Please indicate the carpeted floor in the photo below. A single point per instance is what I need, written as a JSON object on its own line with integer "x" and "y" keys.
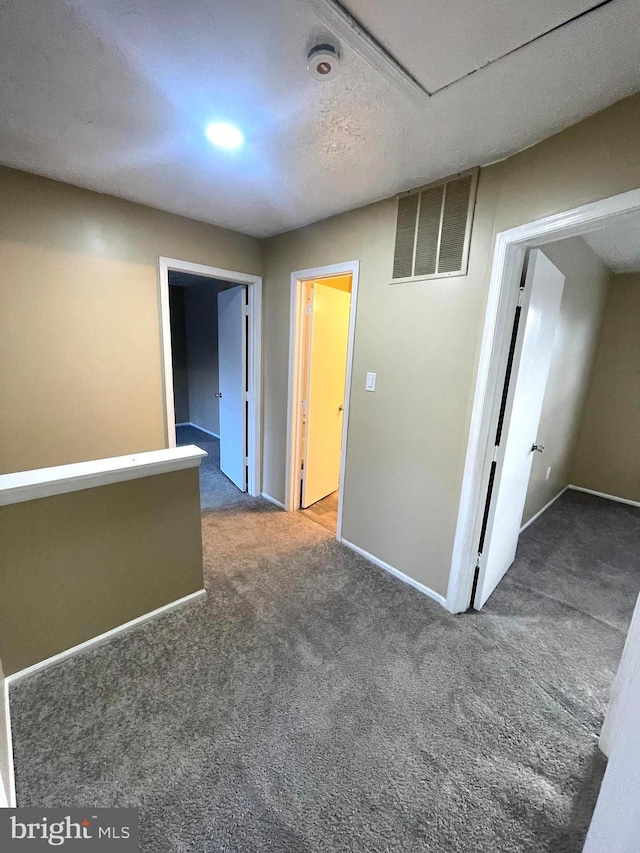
{"x": 313, "y": 704}
{"x": 216, "y": 491}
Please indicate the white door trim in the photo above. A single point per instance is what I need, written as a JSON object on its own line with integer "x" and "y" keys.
{"x": 254, "y": 360}
{"x": 296, "y": 330}
{"x": 508, "y": 259}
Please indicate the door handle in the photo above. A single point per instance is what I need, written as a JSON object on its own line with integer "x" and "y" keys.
{"x": 538, "y": 447}
{"x": 219, "y": 394}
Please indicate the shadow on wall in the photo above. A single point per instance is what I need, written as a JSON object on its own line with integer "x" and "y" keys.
{"x": 608, "y": 451}
{"x": 194, "y": 344}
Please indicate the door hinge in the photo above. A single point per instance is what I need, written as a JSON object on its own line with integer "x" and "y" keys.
{"x": 246, "y": 310}
{"x": 246, "y": 396}
{"x": 246, "y": 460}
{"x": 495, "y": 452}
{"x": 520, "y": 296}
{"x": 307, "y": 309}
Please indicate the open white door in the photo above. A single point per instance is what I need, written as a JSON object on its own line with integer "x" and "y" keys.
{"x": 616, "y": 820}
{"x": 232, "y": 367}
{"x": 327, "y": 378}
{"x": 514, "y": 456}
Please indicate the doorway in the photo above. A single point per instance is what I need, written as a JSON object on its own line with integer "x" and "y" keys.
{"x": 519, "y": 330}
{"x": 323, "y": 304}
{"x": 211, "y": 321}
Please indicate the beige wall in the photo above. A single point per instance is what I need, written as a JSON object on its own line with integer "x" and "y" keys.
{"x": 80, "y": 356}
{"x": 574, "y": 348}
{"x": 80, "y": 346}
{"x": 405, "y": 450}
{"x": 608, "y": 453}
{"x": 76, "y": 565}
{"x": 407, "y": 442}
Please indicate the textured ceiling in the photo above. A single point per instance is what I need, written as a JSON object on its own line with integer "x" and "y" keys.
{"x": 439, "y": 49}
{"x": 617, "y": 242}
{"x": 115, "y": 96}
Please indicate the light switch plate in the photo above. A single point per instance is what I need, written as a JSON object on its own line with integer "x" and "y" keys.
{"x": 370, "y": 384}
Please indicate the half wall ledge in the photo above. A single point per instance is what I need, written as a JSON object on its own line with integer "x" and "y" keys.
{"x": 45, "y": 482}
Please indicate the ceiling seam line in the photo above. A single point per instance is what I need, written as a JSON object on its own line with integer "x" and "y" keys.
{"x": 559, "y": 26}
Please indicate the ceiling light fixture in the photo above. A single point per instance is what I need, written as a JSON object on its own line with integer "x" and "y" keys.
{"x": 224, "y": 135}
{"x": 323, "y": 61}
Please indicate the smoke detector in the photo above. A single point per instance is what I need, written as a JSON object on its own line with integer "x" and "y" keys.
{"x": 323, "y": 61}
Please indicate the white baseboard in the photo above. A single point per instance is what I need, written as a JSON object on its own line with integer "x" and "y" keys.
{"x": 425, "y": 590}
{"x": 544, "y": 508}
{"x": 75, "y": 650}
{"x": 101, "y": 638}
{"x": 197, "y": 426}
{"x": 604, "y": 495}
{"x": 272, "y": 500}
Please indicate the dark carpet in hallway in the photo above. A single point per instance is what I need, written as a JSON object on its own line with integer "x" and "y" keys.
{"x": 216, "y": 490}
{"x": 313, "y": 704}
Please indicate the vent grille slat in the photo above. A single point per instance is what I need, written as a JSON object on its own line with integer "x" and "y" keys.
{"x": 428, "y": 230}
{"x": 405, "y": 236}
{"x": 433, "y": 229}
{"x": 454, "y": 225}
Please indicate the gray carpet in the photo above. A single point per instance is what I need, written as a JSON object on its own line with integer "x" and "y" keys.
{"x": 313, "y": 704}
{"x": 216, "y": 490}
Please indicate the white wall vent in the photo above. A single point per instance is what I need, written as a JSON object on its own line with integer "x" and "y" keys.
{"x": 433, "y": 229}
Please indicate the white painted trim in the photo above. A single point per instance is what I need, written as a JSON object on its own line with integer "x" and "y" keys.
{"x": 605, "y": 495}
{"x": 296, "y": 329}
{"x": 425, "y": 590}
{"x": 273, "y": 500}
{"x": 509, "y": 253}
{"x": 101, "y": 638}
{"x": 209, "y": 272}
{"x": 9, "y": 795}
{"x": 75, "y": 650}
{"x": 544, "y": 509}
{"x": 254, "y": 361}
{"x": 254, "y": 367}
{"x": 45, "y": 482}
{"x": 295, "y": 394}
{"x": 197, "y": 426}
{"x": 614, "y": 720}
{"x": 355, "y": 275}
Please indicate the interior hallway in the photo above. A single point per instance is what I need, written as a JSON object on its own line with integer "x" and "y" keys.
{"x": 312, "y": 703}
